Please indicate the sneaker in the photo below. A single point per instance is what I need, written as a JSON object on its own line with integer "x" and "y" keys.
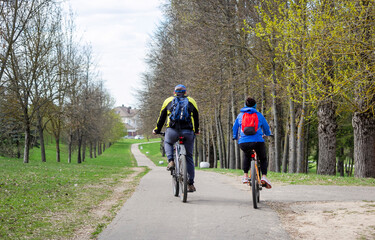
{"x": 191, "y": 188}
{"x": 171, "y": 165}
{"x": 266, "y": 182}
{"x": 245, "y": 180}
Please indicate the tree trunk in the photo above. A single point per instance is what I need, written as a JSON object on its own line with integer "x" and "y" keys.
{"x": 26, "y": 153}
{"x": 364, "y": 145}
{"x": 327, "y": 138}
{"x": 200, "y": 147}
{"x": 79, "y": 159}
{"x": 237, "y": 157}
{"x": 99, "y": 148}
{"x": 228, "y": 164}
{"x": 57, "y": 140}
{"x": 80, "y": 138}
{"x": 232, "y": 163}
{"x": 271, "y": 151}
{"x": 90, "y": 149}
{"x": 94, "y": 144}
{"x": 213, "y": 145}
{"x": 83, "y": 150}
{"x": 70, "y": 144}
{"x": 218, "y": 137}
{"x": 306, "y": 147}
{"x": 276, "y": 131}
{"x": 204, "y": 149}
{"x": 41, "y": 138}
{"x": 301, "y": 141}
{"x": 286, "y": 147}
{"x": 292, "y": 138}
{"x": 364, "y": 122}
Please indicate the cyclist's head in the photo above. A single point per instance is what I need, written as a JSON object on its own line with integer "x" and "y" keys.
{"x": 180, "y": 90}
{"x": 250, "y": 102}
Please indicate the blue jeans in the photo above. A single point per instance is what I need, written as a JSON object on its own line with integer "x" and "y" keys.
{"x": 171, "y": 136}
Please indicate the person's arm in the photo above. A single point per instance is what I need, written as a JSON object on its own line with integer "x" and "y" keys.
{"x": 195, "y": 114}
{"x": 235, "y": 128}
{"x": 265, "y": 126}
{"x": 162, "y": 116}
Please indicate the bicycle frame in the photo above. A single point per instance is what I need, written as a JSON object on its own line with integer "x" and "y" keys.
{"x": 254, "y": 158}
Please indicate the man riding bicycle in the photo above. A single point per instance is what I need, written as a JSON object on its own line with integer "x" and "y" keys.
{"x": 250, "y": 126}
{"x": 186, "y": 127}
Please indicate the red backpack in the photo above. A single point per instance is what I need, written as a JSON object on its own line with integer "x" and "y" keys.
{"x": 250, "y": 123}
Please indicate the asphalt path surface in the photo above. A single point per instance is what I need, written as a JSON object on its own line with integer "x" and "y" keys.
{"x": 221, "y": 208}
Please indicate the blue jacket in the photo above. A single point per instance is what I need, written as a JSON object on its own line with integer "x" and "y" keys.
{"x": 263, "y": 127}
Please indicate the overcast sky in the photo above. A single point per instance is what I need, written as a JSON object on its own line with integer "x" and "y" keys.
{"x": 119, "y": 31}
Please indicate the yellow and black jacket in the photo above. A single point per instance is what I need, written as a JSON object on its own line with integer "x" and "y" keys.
{"x": 166, "y": 111}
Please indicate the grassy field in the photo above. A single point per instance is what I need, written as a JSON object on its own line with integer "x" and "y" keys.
{"x": 152, "y": 150}
{"x": 53, "y": 200}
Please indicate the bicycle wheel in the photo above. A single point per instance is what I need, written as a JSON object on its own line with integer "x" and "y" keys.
{"x": 183, "y": 178}
{"x": 175, "y": 184}
{"x": 259, "y": 184}
{"x": 254, "y": 184}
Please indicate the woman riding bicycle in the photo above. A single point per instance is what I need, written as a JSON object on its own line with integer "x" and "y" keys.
{"x": 249, "y": 127}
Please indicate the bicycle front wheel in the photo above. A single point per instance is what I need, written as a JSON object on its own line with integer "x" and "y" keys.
{"x": 183, "y": 178}
{"x": 254, "y": 185}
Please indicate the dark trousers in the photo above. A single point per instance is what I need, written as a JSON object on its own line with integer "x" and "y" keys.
{"x": 171, "y": 136}
{"x": 260, "y": 149}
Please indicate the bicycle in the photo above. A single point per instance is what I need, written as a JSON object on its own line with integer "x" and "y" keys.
{"x": 179, "y": 173}
{"x": 254, "y": 179}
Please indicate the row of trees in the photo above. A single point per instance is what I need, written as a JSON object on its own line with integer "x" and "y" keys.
{"x": 309, "y": 64}
{"x": 48, "y": 82}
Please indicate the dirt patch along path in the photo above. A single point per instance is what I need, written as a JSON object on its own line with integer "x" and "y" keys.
{"x": 104, "y": 211}
{"x": 329, "y": 220}
{"x": 325, "y": 212}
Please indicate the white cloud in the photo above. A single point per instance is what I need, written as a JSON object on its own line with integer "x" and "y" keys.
{"x": 118, "y": 32}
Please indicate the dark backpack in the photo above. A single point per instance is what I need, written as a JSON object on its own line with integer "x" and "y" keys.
{"x": 179, "y": 112}
{"x": 249, "y": 123}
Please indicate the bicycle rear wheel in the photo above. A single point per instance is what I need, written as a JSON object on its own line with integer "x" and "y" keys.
{"x": 175, "y": 184}
{"x": 254, "y": 185}
{"x": 183, "y": 178}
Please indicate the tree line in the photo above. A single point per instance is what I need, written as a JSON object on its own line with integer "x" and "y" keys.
{"x": 49, "y": 84}
{"x": 308, "y": 63}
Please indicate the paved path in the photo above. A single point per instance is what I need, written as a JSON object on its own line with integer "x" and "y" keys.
{"x": 221, "y": 208}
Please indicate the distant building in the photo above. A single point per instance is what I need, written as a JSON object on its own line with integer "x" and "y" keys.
{"x": 130, "y": 117}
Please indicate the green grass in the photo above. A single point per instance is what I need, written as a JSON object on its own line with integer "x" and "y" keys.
{"x": 308, "y": 179}
{"x": 51, "y": 200}
{"x": 312, "y": 178}
{"x": 152, "y": 151}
